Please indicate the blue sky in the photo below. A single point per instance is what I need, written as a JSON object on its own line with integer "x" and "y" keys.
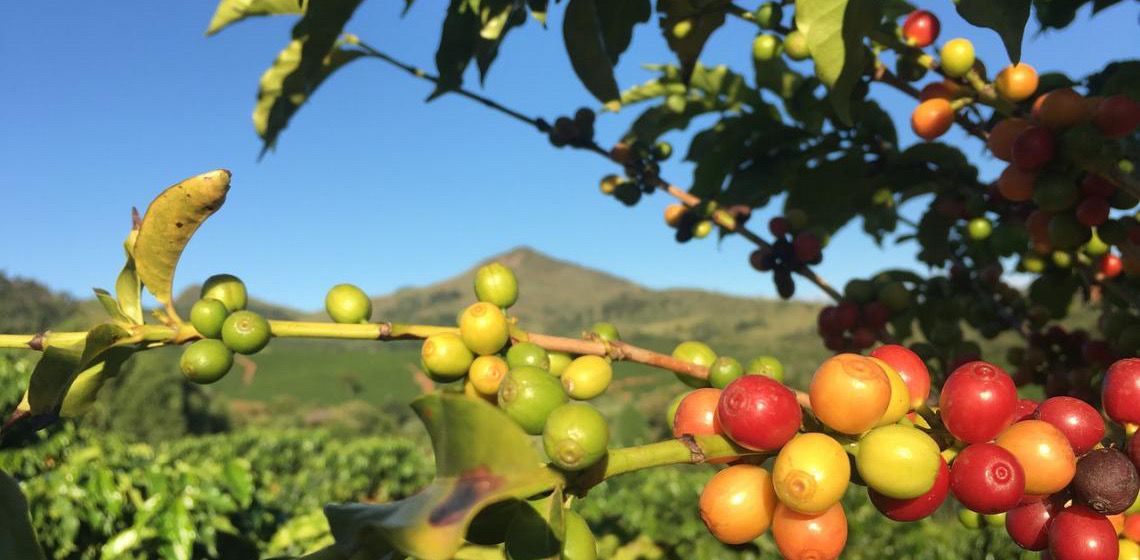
{"x": 105, "y": 104}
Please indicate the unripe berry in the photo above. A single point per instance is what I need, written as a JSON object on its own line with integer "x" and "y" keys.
{"x": 575, "y": 436}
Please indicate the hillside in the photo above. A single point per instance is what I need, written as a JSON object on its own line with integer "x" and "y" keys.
{"x": 557, "y": 297}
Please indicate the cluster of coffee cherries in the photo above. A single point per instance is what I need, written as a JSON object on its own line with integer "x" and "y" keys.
{"x": 698, "y": 221}
{"x": 795, "y": 246}
{"x": 576, "y": 131}
{"x": 858, "y": 320}
{"x": 226, "y": 327}
{"x": 1046, "y": 470}
{"x": 1052, "y": 468}
{"x": 642, "y": 166}
{"x": 1065, "y": 362}
{"x": 857, "y": 404}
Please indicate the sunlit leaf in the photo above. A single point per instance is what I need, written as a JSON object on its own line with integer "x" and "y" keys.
{"x": 288, "y": 84}
{"x": 170, "y": 221}
{"x": 482, "y": 457}
{"x": 17, "y": 537}
{"x": 128, "y": 287}
{"x": 110, "y": 305}
{"x": 1007, "y": 18}
{"x": 835, "y": 30}
{"x": 67, "y": 378}
{"x": 538, "y": 9}
{"x": 229, "y": 12}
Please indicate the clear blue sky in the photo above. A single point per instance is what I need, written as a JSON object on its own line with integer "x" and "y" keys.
{"x": 105, "y": 104}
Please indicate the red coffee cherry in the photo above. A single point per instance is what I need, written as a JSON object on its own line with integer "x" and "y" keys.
{"x": 987, "y": 478}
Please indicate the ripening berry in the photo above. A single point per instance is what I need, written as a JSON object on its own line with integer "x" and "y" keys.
{"x": 814, "y": 537}
{"x": 1043, "y": 452}
{"x": 346, "y": 303}
{"x": 932, "y": 118}
{"x": 587, "y": 377}
{"x": 484, "y": 328}
{"x": 445, "y": 356}
{"x": 849, "y": 393}
{"x": 811, "y": 473}
{"x": 898, "y": 461}
{"x": 957, "y": 57}
{"x": 737, "y": 503}
{"x": 1016, "y": 82}
{"x": 1000, "y": 140}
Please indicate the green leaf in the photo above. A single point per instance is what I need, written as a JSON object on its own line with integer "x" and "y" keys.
{"x": 1121, "y": 77}
{"x": 17, "y": 537}
{"x": 299, "y": 69}
{"x": 482, "y": 457}
{"x": 585, "y": 44}
{"x": 229, "y": 12}
{"x": 128, "y": 286}
{"x": 835, "y": 30}
{"x": 617, "y": 21}
{"x": 69, "y": 377}
{"x": 498, "y": 18}
{"x": 110, "y": 305}
{"x": 170, "y": 221}
{"x": 832, "y": 192}
{"x": 687, "y": 25}
{"x": 1007, "y": 18}
{"x": 457, "y": 43}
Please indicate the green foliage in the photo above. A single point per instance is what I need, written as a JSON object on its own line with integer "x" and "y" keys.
{"x": 1007, "y": 18}
{"x": 596, "y": 32}
{"x": 222, "y": 496}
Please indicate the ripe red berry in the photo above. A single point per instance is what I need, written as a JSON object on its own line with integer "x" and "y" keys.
{"x": 1092, "y": 211}
{"x": 977, "y": 402}
{"x": 827, "y": 321}
{"x": 1111, "y": 265}
{"x": 1095, "y": 185}
{"x": 910, "y": 367}
{"x": 1080, "y": 422}
{"x": 806, "y": 247}
{"x": 1117, "y": 116}
{"x": 1079, "y": 533}
{"x": 1028, "y": 524}
{"x": 921, "y": 28}
{"x": 1024, "y": 409}
{"x": 846, "y": 315}
{"x": 914, "y": 509}
{"x": 1033, "y": 148}
{"x": 987, "y": 478}
{"x": 875, "y": 315}
{"x": 778, "y": 226}
{"x": 863, "y": 338}
{"x": 1121, "y": 391}
{"x": 758, "y": 412}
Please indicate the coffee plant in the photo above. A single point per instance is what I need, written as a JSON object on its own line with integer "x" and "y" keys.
{"x": 518, "y": 446}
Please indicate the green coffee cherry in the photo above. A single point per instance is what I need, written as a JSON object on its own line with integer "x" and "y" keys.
{"x": 765, "y": 365}
{"x": 969, "y": 519}
{"x": 484, "y": 328}
{"x": 496, "y": 284}
{"x": 575, "y": 436}
{"x": 579, "y": 543}
{"x": 606, "y": 331}
{"x": 206, "y": 361}
{"x": 995, "y": 519}
{"x": 795, "y": 45}
{"x": 446, "y": 356}
{"x": 587, "y": 377}
{"x": 558, "y": 362}
{"x": 528, "y": 395}
{"x": 766, "y": 47}
{"x": 694, "y": 352}
{"x": 346, "y": 303}
{"x": 671, "y": 412}
{"x": 528, "y": 354}
{"x": 226, "y": 288}
{"x": 245, "y": 332}
{"x": 207, "y": 316}
{"x": 723, "y": 371}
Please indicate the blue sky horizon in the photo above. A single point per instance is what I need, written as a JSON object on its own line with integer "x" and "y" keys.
{"x": 370, "y": 184}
